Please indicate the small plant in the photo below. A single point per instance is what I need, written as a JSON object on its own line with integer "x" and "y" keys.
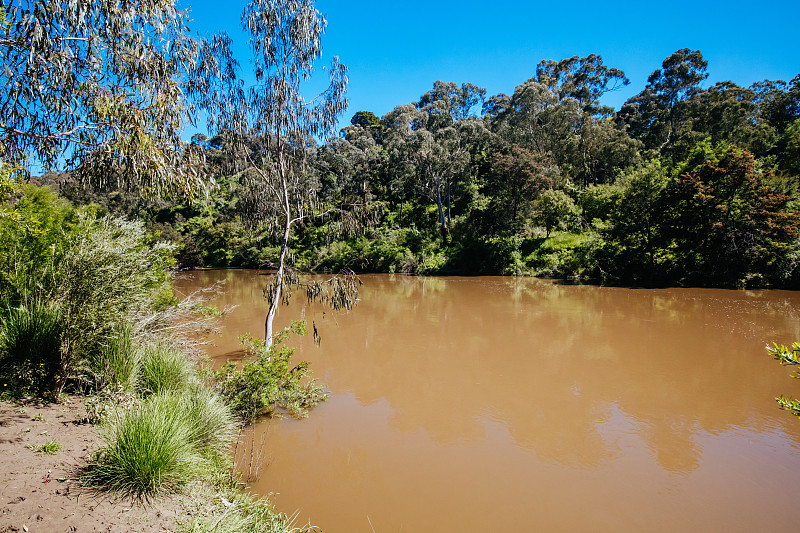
{"x": 50, "y": 447}
{"x": 38, "y": 417}
{"x": 787, "y": 356}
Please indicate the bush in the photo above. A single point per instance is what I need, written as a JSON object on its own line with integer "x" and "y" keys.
{"x": 100, "y": 272}
{"x": 148, "y": 451}
{"x": 30, "y": 348}
{"x": 268, "y": 381}
{"x": 117, "y": 365}
{"x": 109, "y": 274}
{"x": 163, "y": 368}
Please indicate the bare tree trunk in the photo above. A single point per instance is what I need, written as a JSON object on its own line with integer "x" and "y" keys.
{"x": 278, "y": 287}
{"x": 440, "y": 207}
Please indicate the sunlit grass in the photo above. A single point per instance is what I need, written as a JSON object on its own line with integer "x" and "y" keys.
{"x": 171, "y": 439}
{"x": 50, "y": 447}
{"x": 163, "y": 368}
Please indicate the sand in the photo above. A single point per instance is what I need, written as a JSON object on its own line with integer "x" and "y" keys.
{"x": 39, "y": 492}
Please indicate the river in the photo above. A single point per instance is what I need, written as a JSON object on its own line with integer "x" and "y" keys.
{"x": 502, "y": 404}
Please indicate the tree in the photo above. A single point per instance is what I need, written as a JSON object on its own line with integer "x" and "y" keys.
{"x": 517, "y": 177}
{"x": 535, "y": 118}
{"x": 637, "y": 221}
{"x": 727, "y": 112}
{"x": 723, "y": 222}
{"x": 554, "y": 208}
{"x": 657, "y": 114}
{"x": 105, "y": 86}
{"x": 285, "y": 38}
{"x": 429, "y": 141}
{"x": 585, "y": 79}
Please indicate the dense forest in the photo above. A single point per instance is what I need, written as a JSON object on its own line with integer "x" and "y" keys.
{"x": 683, "y": 185}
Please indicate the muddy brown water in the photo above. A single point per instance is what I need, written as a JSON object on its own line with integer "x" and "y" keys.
{"x": 501, "y": 404}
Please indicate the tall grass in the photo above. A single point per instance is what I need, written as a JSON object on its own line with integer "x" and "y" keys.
{"x": 171, "y": 439}
{"x": 117, "y": 365}
{"x": 30, "y": 347}
{"x": 164, "y": 368}
{"x": 213, "y": 425}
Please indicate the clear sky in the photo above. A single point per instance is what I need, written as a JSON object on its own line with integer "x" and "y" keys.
{"x": 396, "y": 50}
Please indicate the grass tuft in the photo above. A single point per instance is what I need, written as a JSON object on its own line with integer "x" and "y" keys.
{"x": 164, "y": 368}
{"x": 148, "y": 451}
{"x": 164, "y": 444}
{"x": 118, "y": 363}
{"x": 30, "y": 347}
{"x": 50, "y": 447}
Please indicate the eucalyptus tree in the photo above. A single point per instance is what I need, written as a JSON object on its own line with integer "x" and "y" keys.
{"x": 728, "y": 112}
{"x": 657, "y": 115}
{"x": 586, "y": 79}
{"x": 285, "y": 40}
{"x": 429, "y": 142}
{"x": 102, "y": 86}
{"x": 536, "y": 118}
{"x": 516, "y": 179}
{"x": 350, "y": 170}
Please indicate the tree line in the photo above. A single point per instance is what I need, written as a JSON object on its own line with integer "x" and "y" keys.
{"x": 682, "y": 185}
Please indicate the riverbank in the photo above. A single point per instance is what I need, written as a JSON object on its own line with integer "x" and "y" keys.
{"x": 39, "y": 492}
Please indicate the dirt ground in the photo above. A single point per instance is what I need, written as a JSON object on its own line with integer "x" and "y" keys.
{"x": 39, "y": 492}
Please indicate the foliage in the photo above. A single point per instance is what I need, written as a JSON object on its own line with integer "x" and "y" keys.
{"x": 638, "y": 221}
{"x": 30, "y": 347}
{"x": 51, "y": 447}
{"x": 444, "y": 185}
{"x": 725, "y": 222}
{"x": 107, "y": 85}
{"x": 658, "y": 114}
{"x": 554, "y": 209}
{"x": 267, "y": 380}
{"x": 787, "y": 356}
{"x": 59, "y": 256}
{"x": 163, "y": 368}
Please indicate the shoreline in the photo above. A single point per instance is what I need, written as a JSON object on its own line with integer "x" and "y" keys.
{"x": 29, "y": 501}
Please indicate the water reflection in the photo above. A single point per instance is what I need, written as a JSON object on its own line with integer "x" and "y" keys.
{"x": 486, "y": 394}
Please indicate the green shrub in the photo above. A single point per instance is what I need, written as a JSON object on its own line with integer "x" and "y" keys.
{"x": 117, "y": 365}
{"x": 163, "y": 368}
{"x": 101, "y": 273}
{"x": 267, "y": 381}
{"x": 213, "y": 423}
{"x": 148, "y": 451}
{"x": 567, "y": 255}
{"x": 108, "y": 275}
{"x": 30, "y": 347}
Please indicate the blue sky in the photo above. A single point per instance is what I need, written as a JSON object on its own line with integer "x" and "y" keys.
{"x": 396, "y": 50}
